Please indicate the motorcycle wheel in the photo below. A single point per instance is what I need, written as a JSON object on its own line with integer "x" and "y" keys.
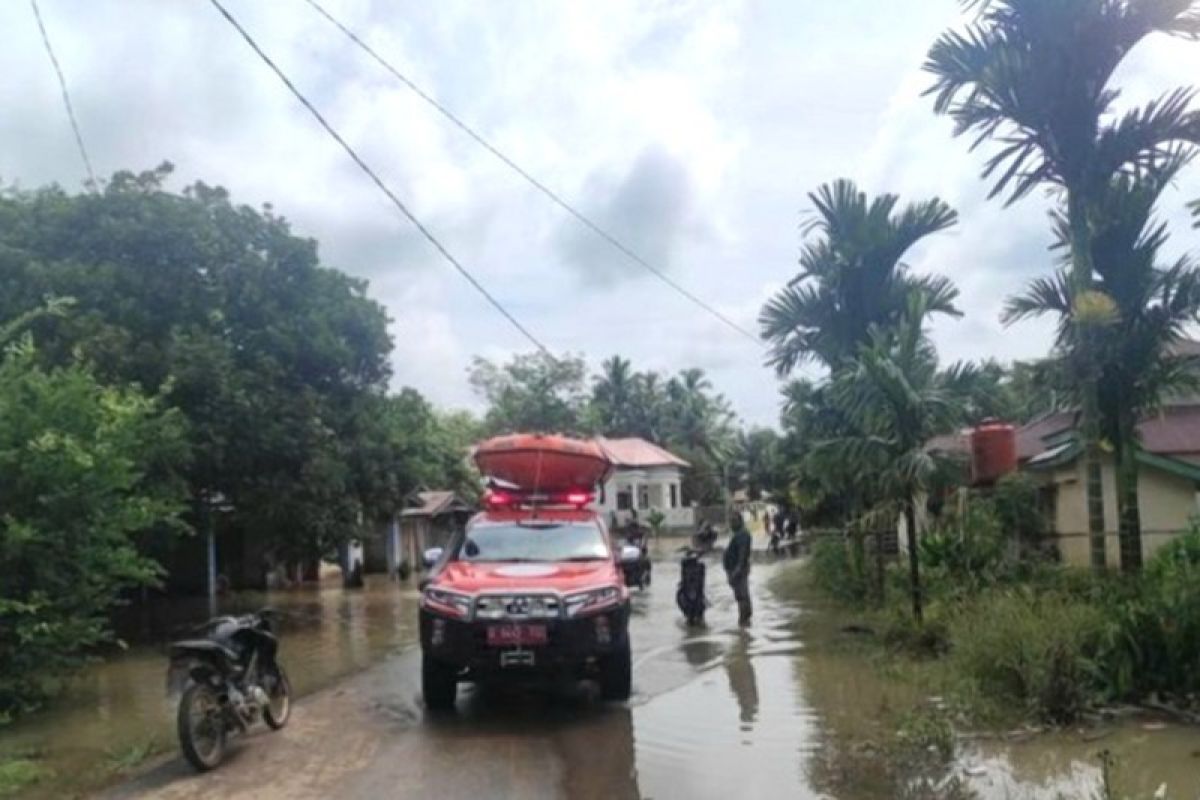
{"x": 201, "y": 727}
{"x": 279, "y": 709}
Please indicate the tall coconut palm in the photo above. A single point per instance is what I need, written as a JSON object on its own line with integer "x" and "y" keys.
{"x": 612, "y": 406}
{"x": 896, "y": 400}
{"x": 851, "y": 276}
{"x": 1034, "y": 76}
{"x": 1138, "y": 361}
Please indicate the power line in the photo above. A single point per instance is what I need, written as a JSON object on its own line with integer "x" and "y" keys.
{"x": 62, "y": 85}
{"x": 379, "y": 181}
{"x": 550, "y": 193}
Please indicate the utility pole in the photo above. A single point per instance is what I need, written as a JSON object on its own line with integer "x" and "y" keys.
{"x": 212, "y": 558}
{"x": 725, "y": 493}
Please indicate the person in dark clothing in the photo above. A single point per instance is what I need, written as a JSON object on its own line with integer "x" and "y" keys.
{"x": 737, "y": 567}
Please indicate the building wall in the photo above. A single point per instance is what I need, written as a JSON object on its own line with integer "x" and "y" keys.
{"x": 650, "y": 489}
{"x": 1167, "y": 504}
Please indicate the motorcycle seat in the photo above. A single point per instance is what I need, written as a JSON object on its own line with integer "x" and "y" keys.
{"x": 207, "y": 646}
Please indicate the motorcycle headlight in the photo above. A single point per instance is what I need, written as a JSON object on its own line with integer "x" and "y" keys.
{"x": 445, "y": 602}
{"x": 591, "y": 601}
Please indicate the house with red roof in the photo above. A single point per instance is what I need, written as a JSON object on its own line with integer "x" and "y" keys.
{"x": 1168, "y": 480}
{"x": 644, "y": 477}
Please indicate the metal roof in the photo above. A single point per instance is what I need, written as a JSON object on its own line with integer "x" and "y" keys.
{"x": 636, "y": 452}
{"x": 434, "y": 504}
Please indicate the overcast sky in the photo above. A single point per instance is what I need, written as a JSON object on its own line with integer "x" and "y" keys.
{"x": 694, "y": 130}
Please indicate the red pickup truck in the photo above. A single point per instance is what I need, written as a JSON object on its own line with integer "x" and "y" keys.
{"x": 531, "y": 589}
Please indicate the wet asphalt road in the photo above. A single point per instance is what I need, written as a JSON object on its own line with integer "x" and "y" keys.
{"x": 696, "y": 704}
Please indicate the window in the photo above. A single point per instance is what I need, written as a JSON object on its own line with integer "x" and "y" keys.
{"x": 674, "y": 496}
{"x": 643, "y": 497}
{"x": 535, "y": 541}
{"x": 624, "y": 499}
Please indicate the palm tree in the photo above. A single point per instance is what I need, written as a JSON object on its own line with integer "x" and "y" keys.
{"x": 1034, "y": 75}
{"x": 612, "y": 405}
{"x": 1138, "y": 361}
{"x": 852, "y": 277}
{"x": 896, "y": 400}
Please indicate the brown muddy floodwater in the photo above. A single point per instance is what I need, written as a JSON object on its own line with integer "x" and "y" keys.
{"x": 785, "y": 707}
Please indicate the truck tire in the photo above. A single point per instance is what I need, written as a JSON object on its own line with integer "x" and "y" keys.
{"x": 439, "y": 684}
{"x": 616, "y": 671}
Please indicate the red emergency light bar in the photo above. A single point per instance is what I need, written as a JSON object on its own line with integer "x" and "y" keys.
{"x": 498, "y": 499}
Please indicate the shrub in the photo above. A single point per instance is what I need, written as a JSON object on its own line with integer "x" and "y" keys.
{"x": 1155, "y": 641}
{"x": 83, "y": 470}
{"x": 964, "y": 554}
{"x": 833, "y": 571}
{"x": 1036, "y": 651}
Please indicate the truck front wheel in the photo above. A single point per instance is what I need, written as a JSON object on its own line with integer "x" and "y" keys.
{"x": 616, "y": 670}
{"x": 439, "y": 684}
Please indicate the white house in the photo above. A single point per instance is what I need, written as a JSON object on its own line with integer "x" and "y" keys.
{"x": 644, "y": 477}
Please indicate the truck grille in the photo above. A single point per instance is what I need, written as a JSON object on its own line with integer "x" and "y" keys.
{"x": 517, "y": 606}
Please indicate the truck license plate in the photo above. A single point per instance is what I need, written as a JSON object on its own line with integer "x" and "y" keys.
{"x": 516, "y": 635}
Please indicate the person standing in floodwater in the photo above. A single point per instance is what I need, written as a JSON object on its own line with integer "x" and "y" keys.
{"x": 737, "y": 567}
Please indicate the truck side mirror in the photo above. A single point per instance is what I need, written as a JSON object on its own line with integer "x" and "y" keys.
{"x": 431, "y": 556}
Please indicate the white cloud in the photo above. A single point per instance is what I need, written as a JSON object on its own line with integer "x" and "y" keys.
{"x": 744, "y": 108}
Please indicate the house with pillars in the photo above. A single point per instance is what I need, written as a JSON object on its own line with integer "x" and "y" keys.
{"x": 644, "y": 477}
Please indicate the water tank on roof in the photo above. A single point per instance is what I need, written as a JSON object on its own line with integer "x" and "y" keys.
{"x": 993, "y": 451}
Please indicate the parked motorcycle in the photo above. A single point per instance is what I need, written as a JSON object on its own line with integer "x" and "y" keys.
{"x": 231, "y": 678}
{"x": 637, "y": 572}
{"x": 689, "y": 595}
{"x": 705, "y": 538}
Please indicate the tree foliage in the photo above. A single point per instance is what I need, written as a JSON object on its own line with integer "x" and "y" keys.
{"x": 84, "y": 471}
{"x": 278, "y": 364}
{"x": 532, "y": 392}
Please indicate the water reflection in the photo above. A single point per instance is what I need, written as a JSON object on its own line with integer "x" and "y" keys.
{"x": 739, "y": 667}
{"x": 120, "y": 704}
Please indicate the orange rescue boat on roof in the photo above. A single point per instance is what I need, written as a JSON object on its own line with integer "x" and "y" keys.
{"x": 543, "y": 462}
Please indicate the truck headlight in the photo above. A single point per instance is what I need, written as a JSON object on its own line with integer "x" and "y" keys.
{"x": 591, "y": 601}
{"x": 451, "y": 604}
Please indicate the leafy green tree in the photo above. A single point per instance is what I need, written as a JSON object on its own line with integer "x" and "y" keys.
{"x": 229, "y": 316}
{"x": 896, "y": 400}
{"x": 1138, "y": 358}
{"x": 1035, "y": 77}
{"x": 532, "y": 392}
{"x": 84, "y": 471}
{"x": 852, "y": 278}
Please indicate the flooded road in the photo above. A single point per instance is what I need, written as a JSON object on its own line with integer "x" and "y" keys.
{"x": 782, "y": 707}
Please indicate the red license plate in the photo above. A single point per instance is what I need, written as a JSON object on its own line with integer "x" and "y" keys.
{"x": 516, "y": 635}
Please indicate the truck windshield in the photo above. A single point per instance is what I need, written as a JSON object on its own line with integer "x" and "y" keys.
{"x": 535, "y": 541}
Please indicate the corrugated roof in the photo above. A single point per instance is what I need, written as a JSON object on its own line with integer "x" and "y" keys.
{"x": 637, "y": 452}
{"x": 1175, "y": 431}
{"x": 1031, "y": 437}
{"x": 433, "y": 504}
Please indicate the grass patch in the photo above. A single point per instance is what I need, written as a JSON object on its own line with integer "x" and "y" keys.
{"x": 17, "y": 774}
{"x": 122, "y": 760}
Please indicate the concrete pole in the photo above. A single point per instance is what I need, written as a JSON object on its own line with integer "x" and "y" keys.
{"x": 212, "y": 563}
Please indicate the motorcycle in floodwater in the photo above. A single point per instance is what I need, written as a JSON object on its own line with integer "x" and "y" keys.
{"x": 689, "y": 595}
{"x": 231, "y": 679}
{"x": 637, "y": 572}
